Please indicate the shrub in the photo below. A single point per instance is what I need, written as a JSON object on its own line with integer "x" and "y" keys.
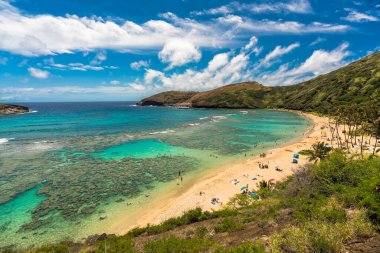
{"x": 229, "y": 225}
{"x": 62, "y": 247}
{"x": 321, "y": 236}
{"x": 116, "y": 244}
{"x": 178, "y": 245}
{"x": 246, "y": 247}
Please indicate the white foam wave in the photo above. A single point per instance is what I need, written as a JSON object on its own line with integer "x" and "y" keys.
{"x": 34, "y": 111}
{"x": 203, "y": 118}
{"x": 194, "y": 124}
{"x": 219, "y": 117}
{"x": 5, "y": 140}
{"x": 163, "y": 132}
{"x": 244, "y": 112}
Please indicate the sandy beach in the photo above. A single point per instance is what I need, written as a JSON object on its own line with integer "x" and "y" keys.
{"x": 217, "y": 183}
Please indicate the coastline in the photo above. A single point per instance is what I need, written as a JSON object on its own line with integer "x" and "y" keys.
{"x": 216, "y": 183}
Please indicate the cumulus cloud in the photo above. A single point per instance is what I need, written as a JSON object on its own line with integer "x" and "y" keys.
{"x": 137, "y": 65}
{"x": 320, "y": 62}
{"x": 276, "y": 53}
{"x": 179, "y": 52}
{"x": 355, "y": 16}
{"x": 38, "y": 73}
{"x": 34, "y": 35}
{"x": 223, "y": 68}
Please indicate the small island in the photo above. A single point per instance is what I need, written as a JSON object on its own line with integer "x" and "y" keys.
{"x": 6, "y": 109}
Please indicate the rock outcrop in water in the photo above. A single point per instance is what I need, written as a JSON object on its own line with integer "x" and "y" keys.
{"x": 6, "y": 109}
{"x": 358, "y": 82}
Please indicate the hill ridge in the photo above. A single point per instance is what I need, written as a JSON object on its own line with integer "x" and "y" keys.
{"x": 357, "y": 82}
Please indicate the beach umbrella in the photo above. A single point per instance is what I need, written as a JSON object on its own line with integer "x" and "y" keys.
{"x": 243, "y": 188}
{"x": 272, "y": 180}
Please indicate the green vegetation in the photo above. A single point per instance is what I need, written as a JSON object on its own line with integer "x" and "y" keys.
{"x": 319, "y": 151}
{"x": 357, "y": 83}
{"x": 325, "y": 207}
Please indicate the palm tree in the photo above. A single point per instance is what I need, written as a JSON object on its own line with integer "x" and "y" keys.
{"x": 265, "y": 185}
{"x": 320, "y": 151}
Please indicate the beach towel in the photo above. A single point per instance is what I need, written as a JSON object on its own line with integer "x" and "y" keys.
{"x": 254, "y": 196}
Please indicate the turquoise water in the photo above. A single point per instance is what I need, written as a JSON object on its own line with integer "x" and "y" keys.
{"x": 147, "y": 148}
{"x": 67, "y": 165}
{"x": 15, "y": 213}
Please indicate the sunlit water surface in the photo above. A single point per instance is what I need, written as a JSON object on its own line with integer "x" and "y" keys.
{"x": 69, "y": 170}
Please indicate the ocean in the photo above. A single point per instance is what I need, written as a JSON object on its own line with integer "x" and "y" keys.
{"x": 69, "y": 170}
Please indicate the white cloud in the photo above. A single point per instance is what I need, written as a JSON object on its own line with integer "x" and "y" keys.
{"x": 179, "y": 52}
{"x": 293, "y": 6}
{"x": 289, "y": 27}
{"x": 70, "y": 92}
{"x": 225, "y": 9}
{"x": 99, "y": 58}
{"x": 276, "y": 53}
{"x": 115, "y": 82}
{"x": 251, "y": 46}
{"x": 77, "y": 66}
{"x": 355, "y": 16}
{"x": 137, "y": 87}
{"x": 320, "y": 62}
{"x": 34, "y": 35}
{"x": 152, "y": 75}
{"x": 317, "y": 41}
{"x": 38, "y": 73}
{"x": 137, "y": 65}
{"x": 223, "y": 68}
{"x": 252, "y": 42}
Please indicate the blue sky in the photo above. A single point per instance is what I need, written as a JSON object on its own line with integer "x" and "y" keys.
{"x": 84, "y": 50}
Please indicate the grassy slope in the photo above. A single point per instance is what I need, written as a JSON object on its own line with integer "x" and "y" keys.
{"x": 357, "y": 82}
{"x": 327, "y": 207}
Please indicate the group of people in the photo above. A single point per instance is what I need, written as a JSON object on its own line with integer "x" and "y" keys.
{"x": 263, "y": 166}
{"x": 245, "y": 191}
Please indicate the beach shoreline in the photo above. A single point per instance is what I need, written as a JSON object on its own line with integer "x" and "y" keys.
{"x": 216, "y": 183}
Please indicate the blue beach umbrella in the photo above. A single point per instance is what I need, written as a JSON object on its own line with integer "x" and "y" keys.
{"x": 243, "y": 188}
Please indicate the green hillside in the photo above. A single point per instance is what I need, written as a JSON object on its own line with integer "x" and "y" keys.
{"x": 358, "y": 82}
